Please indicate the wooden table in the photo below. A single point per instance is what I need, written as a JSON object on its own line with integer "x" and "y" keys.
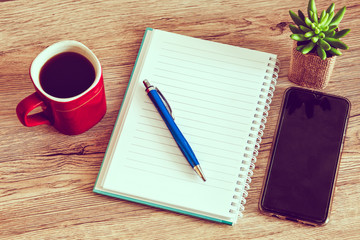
{"x": 46, "y": 178}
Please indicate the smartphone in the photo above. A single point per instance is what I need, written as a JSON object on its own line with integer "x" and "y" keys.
{"x": 304, "y": 160}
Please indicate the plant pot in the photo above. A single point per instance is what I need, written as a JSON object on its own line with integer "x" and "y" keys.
{"x": 310, "y": 70}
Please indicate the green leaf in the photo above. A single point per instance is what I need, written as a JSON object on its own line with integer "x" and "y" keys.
{"x": 330, "y": 33}
{"x": 323, "y": 13}
{"x": 307, "y": 22}
{"x": 330, "y": 18}
{"x": 301, "y": 15}
{"x": 294, "y": 29}
{"x": 308, "y": 47}
{"x": 342, "y": 33}
{"x": 335, "y": 51}
{"x": 336, "y": 43}
{"x": 298, "y": 37}
{"x": 332, "y": 28}
{"x": 315, "y": 39}
{"x": 322, "y": 23}
{"x": 296, "y": 18}
{"x": 312, "y": 7}
{"x": 325, "y": 28}
{"x": 324, "y": 45}
{"x": 313, "y": 26}
{"x": 321, "y": 52}
{"x": 313, "y": 17}
{"x": 338, "y": 17}
{"x": 309, "y": 34}
{"x": 300, "y": 47}
{"x": 305, "y": 29}
{"x": 331, "y": 8}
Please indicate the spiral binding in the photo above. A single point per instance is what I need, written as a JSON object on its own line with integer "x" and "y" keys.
{"x": 253, "y": 143}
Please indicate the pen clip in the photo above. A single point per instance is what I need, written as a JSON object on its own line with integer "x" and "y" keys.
{"x": 167, "y": 105}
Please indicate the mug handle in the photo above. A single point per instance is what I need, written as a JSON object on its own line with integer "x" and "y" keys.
{"x": 26, "y": 106}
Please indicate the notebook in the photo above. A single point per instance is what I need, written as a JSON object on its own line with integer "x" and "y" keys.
{"x": 220, "y": 96}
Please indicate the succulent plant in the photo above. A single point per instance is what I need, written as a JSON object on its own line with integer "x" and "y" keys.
{"x": 319, "y": 34}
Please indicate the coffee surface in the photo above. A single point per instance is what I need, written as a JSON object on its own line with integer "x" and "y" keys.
{"x": 66, "y": 75}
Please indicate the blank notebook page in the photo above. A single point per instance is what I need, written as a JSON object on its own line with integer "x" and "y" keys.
{"x": 213, "y": 90}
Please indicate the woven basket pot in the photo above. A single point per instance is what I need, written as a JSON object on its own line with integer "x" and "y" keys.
{"x": 310, "y": 70}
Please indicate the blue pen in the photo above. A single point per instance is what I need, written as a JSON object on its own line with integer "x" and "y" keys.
{"x": 156, "y": 97}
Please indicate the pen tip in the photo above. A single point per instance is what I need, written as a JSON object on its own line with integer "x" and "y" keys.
{"x": 199, "y": 171}
{"x": 203, "y": 178}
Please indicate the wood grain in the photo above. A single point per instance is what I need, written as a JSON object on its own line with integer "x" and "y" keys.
{"x": 46, "y": 178}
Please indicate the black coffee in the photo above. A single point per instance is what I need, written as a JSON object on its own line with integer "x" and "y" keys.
{"x": 66, "y": 75}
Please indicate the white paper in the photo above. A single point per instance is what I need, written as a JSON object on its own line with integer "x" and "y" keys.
{"x": 214, "y": 91}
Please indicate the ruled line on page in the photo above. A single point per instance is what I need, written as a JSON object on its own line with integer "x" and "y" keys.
{"x": 196, "y": 83}
{"x": 210, "y": 65}
{"x": 225, "y": 120}
{"x": 209, "y": 72}
{"x": 183, "y": 164}
{"x": 203, "y": 90}
{"x": 179, "y": 178}
{"x": 208, "y": 59}
{"x": 240, "y": 99}
{"x": 223, "y": 102}
{"x": 224, "y": 129}
{"x": 245, "y": 83}
{"x": 185, "y": 111}
{"x": 213, "y": 133}
{"x": 233, "y": 78}
{"x": 179, "y": 165}
{"x": 213, "y": 106}
{"x": 209, "y": 51}
{"x": 193, "y": 143}
{"x": 162, "y": 170}
{"x": 211, "y": 145}
{"x": 210, "y": 102}
{"x": 217, "y": 110}
{"x": 211, "y": 148}
{"x": 172, "y": 157}
{"x": 213, "y": 161}
{"x": 187, "y": 134}
{"x": 180, "y": 111}
{"x": 226, "y": 162}
{"x": 213, "y": 136}
{"x": 204, "y": 122}
{"x": 215, "y": 62}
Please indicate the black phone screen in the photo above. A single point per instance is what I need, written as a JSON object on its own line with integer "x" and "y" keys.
{"x": 303, "y": 164}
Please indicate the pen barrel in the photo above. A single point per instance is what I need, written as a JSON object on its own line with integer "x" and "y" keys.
{"x": 173, "y": 128}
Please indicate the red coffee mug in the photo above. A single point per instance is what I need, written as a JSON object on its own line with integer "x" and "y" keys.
{"x": 73, "y": 115}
